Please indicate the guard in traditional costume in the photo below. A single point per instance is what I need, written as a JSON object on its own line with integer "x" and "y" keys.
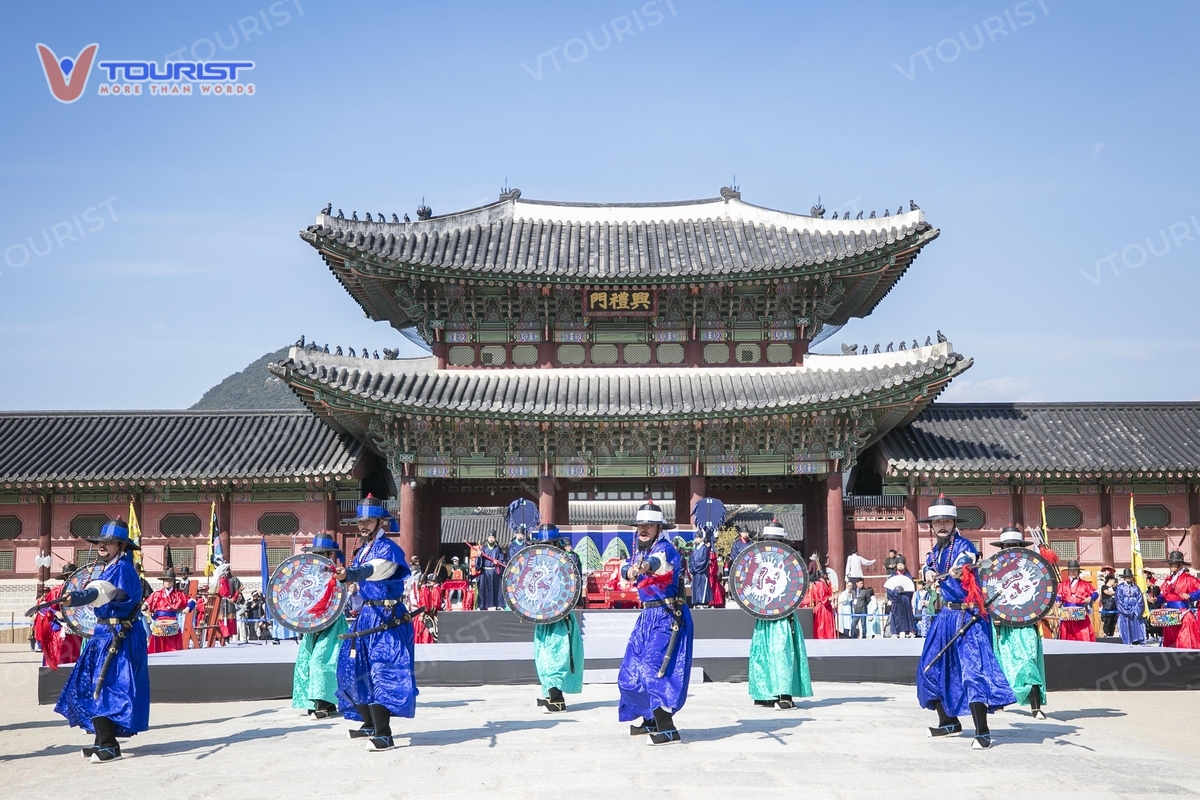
{"x": 59, "y": 645}
{"x": 314, "y": 679}
{"x": 1181, "y": 590}
{"x": 164, "y": 608}
{"x": 1131, "y": 609}
{"x": 1076, "y": 592}
{"x": 900, "y": 590}
{"x": 698, "y": 566}
{"x": 517, "y": 544}
{"x": 819, "y": 598}
{"x": 1019, "y": 649}
{"x": 557, "y": 647}
{"x": 375, "y": 665}
{"x": 740, "y": 543}
{"x": 108, "y": 692}
{"x": 490, "y": 566}
{"x": 958, "y": 672}
{"x": 778, "y": 670}
{"x": 657, "y": 667}
{"x": 228, "y": 590}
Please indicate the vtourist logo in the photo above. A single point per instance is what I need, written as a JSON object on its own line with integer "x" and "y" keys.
{"x": 68, "y": 78}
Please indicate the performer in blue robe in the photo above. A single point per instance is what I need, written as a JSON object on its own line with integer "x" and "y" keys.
{"x": 375, "y": 665}
{"x": 702, "y": 593}
{"x": 557, "y": 646}
{"x": 654, "y": 674}
{"x": 1131, "y": 610}
{"x": 967, "y": 676}
{"x": 740, "y": 543}
{"x": 314, "y": 678}
{"x": 490, "y": 566}
{"x": 517, "y": 544}
{"x": 108, "y": 691}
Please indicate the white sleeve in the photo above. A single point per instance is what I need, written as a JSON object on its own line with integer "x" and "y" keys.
{"x": 381, "y": 569}
{"x": 107, "y": 592}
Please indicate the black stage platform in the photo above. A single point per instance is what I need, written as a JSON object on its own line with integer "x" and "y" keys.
{"x": 481, "y": 647}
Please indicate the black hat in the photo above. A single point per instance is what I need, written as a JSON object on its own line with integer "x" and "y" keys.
{"x": 67, "y": 571}
{"x": 1073, "y": 563}
{"x": 1127, "y": 573}
{"x": 169, "y": 575}
{"x": 1011, "y": 536}
{"x": 1176, "y": 557}
{"x": 941, "y": 508}
{"x": 650, "y": 514}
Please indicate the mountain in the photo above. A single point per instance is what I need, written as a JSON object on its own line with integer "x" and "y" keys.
{"x": 251, "y": 389}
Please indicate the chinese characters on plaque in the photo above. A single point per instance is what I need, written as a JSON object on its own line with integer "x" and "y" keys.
{"x": 620, "y": 303}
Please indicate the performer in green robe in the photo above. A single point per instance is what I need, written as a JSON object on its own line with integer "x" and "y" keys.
{"x": 557, "y": 647}
{"x": 314, "y": 680}
{"x": 778, "y": 671}
{"x": 1019, "y": 650}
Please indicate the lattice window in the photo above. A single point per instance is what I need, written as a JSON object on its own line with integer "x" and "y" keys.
{"x": 276, "y": 556}
{"x": 85, "y": 556}
{"x": 570, "y": 354}
{"x": 461, "y": 356}
{"x": 1065, "y": 550}
{"x": 637, "y": 354}
{"x": 779, "y": 353}
{"x": 670, "y": 354}
{"x": 748, "y": 353}
{"x": 87, "y": 525}
{"x": 971, "y": 518}
{"x": 716, "y": 354}
{"x": 8, "y": 560}
{"x": 1063, "y": 517}
{"x": 10, "y": 526}
{"x": 1153, "y": 516}
{"x": 525, "y": 355}
{"x": 175, "y": 525}
{"x": 278, "y": 523}
{"x": 183, "y": 557}
{"x": 604, "y": 354}
{"x": 1153, "y": 549}
{"x": 493, "y": 355}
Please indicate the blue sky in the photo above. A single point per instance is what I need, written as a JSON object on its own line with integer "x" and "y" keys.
{"x": 1041, "y": 138}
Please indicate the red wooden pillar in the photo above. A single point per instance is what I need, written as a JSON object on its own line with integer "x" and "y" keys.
{"x": 45, "y": 545}
{"x": 408, "y": 517}
{"x": 224, "y": 517}
{"x": 546, "y": 504}
{"x": 910, "y": 535}
{"x": 835, "y": 536}
{"x": 562, "y": 502}
{"x": 1018, "y": 507}
{"x": 1193, "y": 497}
{"x": 429, "y": 520}
{"x": 1106, "y": 530}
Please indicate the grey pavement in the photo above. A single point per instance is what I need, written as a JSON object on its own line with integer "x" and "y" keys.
{"x": 862, "y": 740}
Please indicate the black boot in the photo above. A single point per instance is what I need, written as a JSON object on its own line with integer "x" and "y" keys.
{"x": 368, "y": 725}
{"x": 382, "y": 740}
{"x": 947, "y": 724}
{"x": 766, "y": 703}
{"x": 983, "y": 737}
{"x": 667, "y": 733}
{"x": 786, "y": 702}
{"x": 1035, "y": 702}
{"x": 106, "y": 749}
{"x": 555, "y": 702}
{"x": 324, "y": 709}
{"x": 648, "y": 726}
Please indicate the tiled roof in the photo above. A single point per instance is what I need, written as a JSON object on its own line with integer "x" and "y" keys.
{"x": 1009, "y": 437}
{"x": 417, "y": 384}
{"x": 153, "y": 445}
{"x": 705, "y": 239}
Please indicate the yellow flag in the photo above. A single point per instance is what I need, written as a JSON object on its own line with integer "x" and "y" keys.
{"x": 1135, "y": 551}
{"x": 135, "y": 536}
{"x": 1045, "y": 527}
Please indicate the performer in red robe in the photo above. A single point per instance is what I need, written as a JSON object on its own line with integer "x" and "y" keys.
{"x": 818, "y": 598}
{"x": 714, "y": 578}
{"x": 163, "y": 606}
{"x": 1076, "y": 592}
{"x": 1181, "y": 589}
{"x": 59, "y": 645}
{"x": 229, "y": 588}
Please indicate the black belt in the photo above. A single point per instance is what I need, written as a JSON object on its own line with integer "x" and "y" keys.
{"x": 382, "y": 603}
{"x": 670, "y": 601}
{"x": 959, "y": 606}
{"x": 394, "y": 622}
{"x": 674, "y": 605}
